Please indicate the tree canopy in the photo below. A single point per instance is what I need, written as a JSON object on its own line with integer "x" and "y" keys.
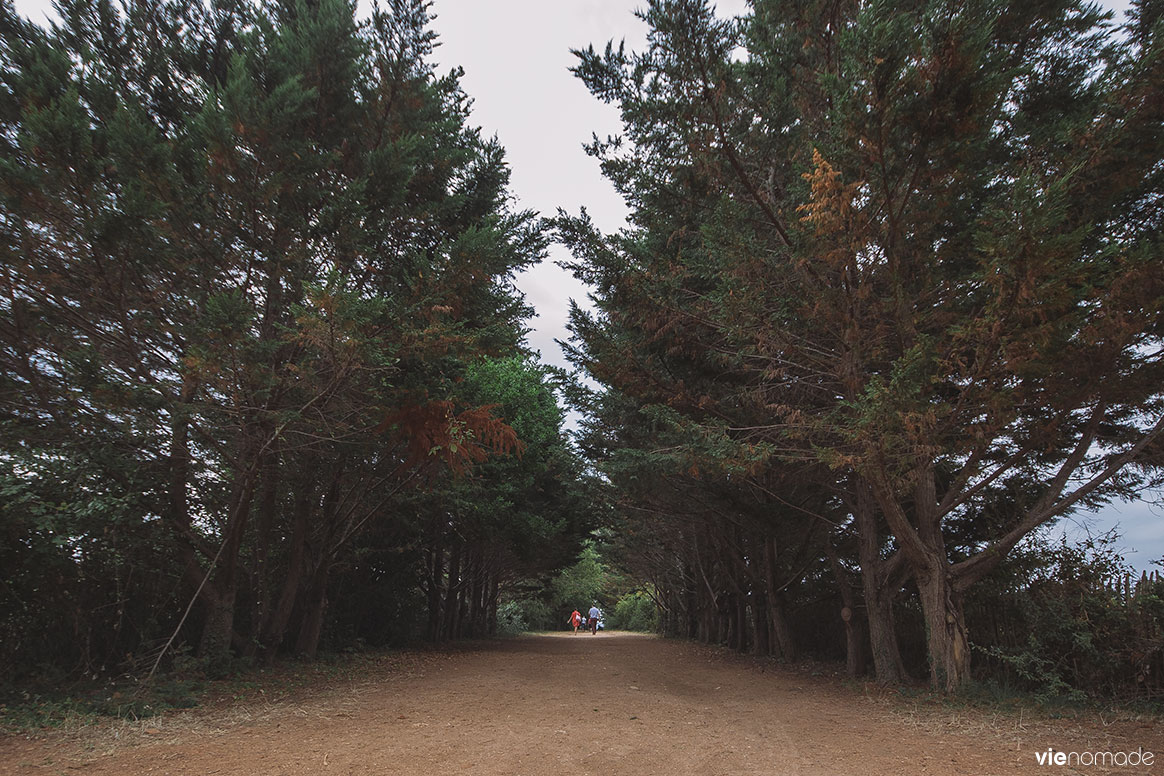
{"x": 892, "y": 289}
{"x": 259, "y": 336}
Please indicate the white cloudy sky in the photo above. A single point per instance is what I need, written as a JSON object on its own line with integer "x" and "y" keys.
{"x": 516, "y": 56}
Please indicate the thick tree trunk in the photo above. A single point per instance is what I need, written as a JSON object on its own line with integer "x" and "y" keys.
{"x": 734, "y": 633}
{"x": 763, "y": 640}
{"x": 742, "y": 620}
{"x": 854, "y": 643}
{"x": 261, "y": 595}
{"x": 476, "y": 596}
{"x": 781, "y": 630}
{"x": 193, "y": 573}
{"x": 949, "y": 647}
{"x": 218, "y": 627}
{"x": 946, "y": 637}
{"x": 922, "y": 540}
{"x": 887, "y": 663}
{"x": 494, "y": 586}
{"x": 690, "y": 604}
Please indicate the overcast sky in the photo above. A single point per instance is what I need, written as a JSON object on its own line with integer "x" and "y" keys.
{"x": 516, "y": 56}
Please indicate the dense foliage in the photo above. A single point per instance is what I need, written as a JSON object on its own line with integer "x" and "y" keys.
{"x": 262, "y": 378}
{"x": 890, "y": 301}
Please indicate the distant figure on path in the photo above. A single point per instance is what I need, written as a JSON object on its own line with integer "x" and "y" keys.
{"x": 575, "y": 619}
{"x": 594, "y": 615}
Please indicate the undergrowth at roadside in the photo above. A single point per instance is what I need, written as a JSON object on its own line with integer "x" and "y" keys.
{"x": 983, "y": 697}
{"x": 43, "y": 705}
{"x": 991, "y": 696}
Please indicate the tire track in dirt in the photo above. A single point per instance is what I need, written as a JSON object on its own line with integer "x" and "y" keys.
{"x": 521, "y": 707}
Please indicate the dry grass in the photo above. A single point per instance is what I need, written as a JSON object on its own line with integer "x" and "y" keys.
{"x": 1020, "y": 724}
{"x": 291, "y": 690}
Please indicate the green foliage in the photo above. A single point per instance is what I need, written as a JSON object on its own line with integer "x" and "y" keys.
{"x": 881, "y": 258}
{"x": 522, "y": 616}
{"x": 635, "y": 611}
{"x": 260, "y": 317}
{"x": 1086, "y": 628}
{"x": 583, "y": 584}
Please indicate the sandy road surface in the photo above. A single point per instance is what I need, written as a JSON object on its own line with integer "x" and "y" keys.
{"x": 516, "y": 707}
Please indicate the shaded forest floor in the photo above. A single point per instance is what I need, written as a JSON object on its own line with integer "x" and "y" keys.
{"x": 555, "y": 704}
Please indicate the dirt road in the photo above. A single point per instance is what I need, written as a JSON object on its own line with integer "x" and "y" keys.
{"x": 519, "y": 707}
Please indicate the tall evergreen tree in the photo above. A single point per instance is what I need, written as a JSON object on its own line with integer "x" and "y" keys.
{"x": 250, "y": 251}
{"x": 915, "y": 243}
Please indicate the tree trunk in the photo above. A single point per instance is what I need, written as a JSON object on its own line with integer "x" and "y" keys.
{"x": 275, "y": 629}
{"x": 218, "y": 630}
{"x": 742, "y": 620}
{"x": 452, "y": 595}
{"x": 436, "y": 573}
{"x": 261, "y": 595}
{"x": 494, "y": 590}
{"x": 476, "y": 596}
{"x": 781, "y": 635}
{"x": 781, "y": 630}
{"x": 763, "y": 641}
{"x": 946, "y": 637}
{"x": 311, "y": 626}
{"x": 887, "y": 663}
{"x": 949, "y": 647}
{"x": 924, "y": 545}
{"x": 854, "y": 643}
{"x": 218, "y": 627}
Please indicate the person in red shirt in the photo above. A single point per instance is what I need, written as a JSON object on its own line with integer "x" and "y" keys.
{"x": 575, "y": 620}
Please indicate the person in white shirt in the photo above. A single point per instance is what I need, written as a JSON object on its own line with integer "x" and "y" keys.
{"x": 594, "y": 615}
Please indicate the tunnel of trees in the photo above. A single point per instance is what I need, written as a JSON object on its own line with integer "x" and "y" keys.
{"x": 887, "y": 306}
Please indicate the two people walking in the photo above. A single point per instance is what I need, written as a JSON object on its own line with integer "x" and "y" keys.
{"x": 575, "y": 619}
